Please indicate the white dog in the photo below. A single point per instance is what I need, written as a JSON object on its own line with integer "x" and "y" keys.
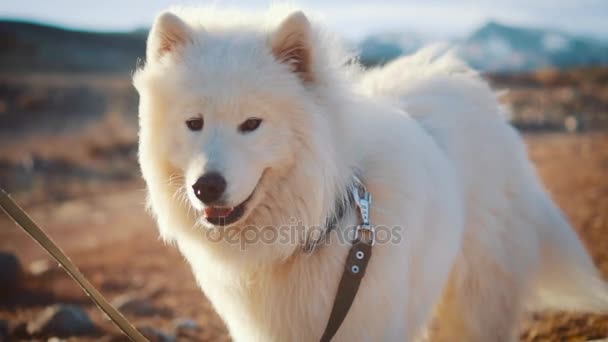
{"x": 263, "y": 121}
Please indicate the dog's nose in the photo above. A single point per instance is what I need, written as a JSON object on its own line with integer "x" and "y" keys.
{"x": 210, "y": 187}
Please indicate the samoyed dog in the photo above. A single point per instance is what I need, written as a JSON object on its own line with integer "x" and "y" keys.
{"x": 256, "y": 123}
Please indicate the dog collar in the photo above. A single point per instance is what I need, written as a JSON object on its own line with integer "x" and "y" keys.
{"x": 356, "y": 261}
{"x": 331, "y": 223}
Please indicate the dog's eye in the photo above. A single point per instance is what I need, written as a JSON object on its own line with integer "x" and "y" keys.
{"x": 249, "y": 125}
{"x": 195, "y": 124}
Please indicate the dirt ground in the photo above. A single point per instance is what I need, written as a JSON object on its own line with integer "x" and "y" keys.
{"x": 114, "y": 242}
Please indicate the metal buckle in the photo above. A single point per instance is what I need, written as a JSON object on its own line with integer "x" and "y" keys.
{"x": 370, "y": 229}
{"x": 363, "y": 200}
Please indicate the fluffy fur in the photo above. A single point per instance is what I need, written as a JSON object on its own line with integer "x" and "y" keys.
{"x": 481, "y": 238}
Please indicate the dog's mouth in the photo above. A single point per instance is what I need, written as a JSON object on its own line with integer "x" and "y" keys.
{"x": 224, "y": 216}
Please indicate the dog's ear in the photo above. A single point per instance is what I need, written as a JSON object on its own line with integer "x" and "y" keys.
{"x": 168, "y": 35}
{"x": 291, "y": 44}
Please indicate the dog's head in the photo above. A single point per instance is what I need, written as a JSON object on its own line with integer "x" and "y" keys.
{"x": 234, "y": 126}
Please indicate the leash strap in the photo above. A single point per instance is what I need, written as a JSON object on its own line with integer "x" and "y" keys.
{"x": 30, "y": 227}
{"x": 356, "y": 262}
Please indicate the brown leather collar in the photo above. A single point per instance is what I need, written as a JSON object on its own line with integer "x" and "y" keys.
{"x": 356, "y": 262}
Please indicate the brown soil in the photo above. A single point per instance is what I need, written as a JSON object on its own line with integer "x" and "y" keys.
{"x": 68, "y": 155}
{"x": 108, "y": 234}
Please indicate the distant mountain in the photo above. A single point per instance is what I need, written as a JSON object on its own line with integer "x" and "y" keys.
{"x": 493, "y": 47}
{"x": 498, "y": 47}
{"x": 381, "y": 48}
{"x": 33, "y": 47}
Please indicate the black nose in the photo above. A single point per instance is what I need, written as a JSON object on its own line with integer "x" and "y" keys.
{"x": 210, "y": 187}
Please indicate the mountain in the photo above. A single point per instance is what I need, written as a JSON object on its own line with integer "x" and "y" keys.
{"x": 498, "y": 47}
{"x": 494, "y": 47}
{"x": 381, "y": 48}
{"x": 33, "y": 47}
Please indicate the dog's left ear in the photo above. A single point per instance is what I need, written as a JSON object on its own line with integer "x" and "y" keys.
{"x": 291, "y": 44}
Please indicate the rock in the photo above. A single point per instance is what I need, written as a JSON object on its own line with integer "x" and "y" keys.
{"x": 155, "y": 335}
{"x": 130, "y": 305}
{"x": 55, "y": 339}
{"x": 4, "y": 330}
{"x": 11, "y": 273}
{"x": 62, "y": 321}
{"x": 188, "y": 329}
{"x": 39, "y": 267}
{"x": 19, "y": 331}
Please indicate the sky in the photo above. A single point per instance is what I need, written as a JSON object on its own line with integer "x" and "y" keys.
{"x": 352, "y": 18}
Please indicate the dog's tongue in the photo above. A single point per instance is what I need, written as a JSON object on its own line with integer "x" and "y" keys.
{"x": 217, "y": 211}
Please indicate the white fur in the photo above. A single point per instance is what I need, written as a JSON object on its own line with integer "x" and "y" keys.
{"x": 481, "y": 238}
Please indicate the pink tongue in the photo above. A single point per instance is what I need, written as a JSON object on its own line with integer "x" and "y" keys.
{"x": 217, "y": 212}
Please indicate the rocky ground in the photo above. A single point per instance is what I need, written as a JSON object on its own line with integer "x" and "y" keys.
{"x": 553, "y": 100}
{"x": 81, "y": 184}
{"x": 114, "y": 242}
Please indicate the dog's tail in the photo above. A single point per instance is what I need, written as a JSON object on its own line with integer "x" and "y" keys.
{"x": 568, "y": 279}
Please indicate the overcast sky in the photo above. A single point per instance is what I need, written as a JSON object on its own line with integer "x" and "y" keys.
{"x": 354, "y": 18}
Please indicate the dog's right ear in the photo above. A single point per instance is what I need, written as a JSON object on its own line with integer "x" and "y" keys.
{"x": 168, "y": 35}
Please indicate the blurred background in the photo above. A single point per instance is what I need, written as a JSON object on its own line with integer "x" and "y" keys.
{"x": 68, "y": 145}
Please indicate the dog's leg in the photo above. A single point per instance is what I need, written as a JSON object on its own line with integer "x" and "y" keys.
{"x": 481, "y": 304}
